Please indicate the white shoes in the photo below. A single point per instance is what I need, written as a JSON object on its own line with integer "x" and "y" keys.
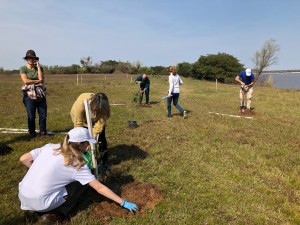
{"x": 184, "y": 114}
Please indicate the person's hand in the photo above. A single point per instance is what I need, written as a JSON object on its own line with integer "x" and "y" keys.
{"x": 242, "y": 84}
{"x": 129, "y": 205}
{"x": 37, "y": 63}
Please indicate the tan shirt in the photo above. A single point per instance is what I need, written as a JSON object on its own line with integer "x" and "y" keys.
{"x": 78, "y": 114}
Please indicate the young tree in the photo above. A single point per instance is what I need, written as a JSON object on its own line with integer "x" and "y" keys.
{"x": 86, "y": 63}
{"x": 266, "y": 56}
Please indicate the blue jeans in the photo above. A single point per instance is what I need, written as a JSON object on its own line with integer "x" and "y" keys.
{"x": 174, "y": 98}
{"x": 147, "y": 91}
{"x": 31, "y": 107}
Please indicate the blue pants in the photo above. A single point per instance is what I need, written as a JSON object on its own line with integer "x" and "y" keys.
{"x": 147, "y": 91}
{"x": 174, "y": 98}
{"x": 31, "y": 107}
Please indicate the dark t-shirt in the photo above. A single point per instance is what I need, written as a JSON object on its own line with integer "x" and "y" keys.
{"x": 246, "y": 79}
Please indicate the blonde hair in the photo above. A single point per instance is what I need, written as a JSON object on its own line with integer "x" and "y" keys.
{"x": 71, "y": 153}
{"x": 100, "y": 106}
{"x": 172, "y": 69}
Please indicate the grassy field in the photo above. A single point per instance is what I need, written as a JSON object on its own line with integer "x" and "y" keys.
{"x": 212, "y": 169}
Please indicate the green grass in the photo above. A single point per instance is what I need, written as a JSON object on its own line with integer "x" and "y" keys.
{"x": 212, "y": 169}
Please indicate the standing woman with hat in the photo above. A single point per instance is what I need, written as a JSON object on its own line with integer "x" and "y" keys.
{"x": 32, "y": 75}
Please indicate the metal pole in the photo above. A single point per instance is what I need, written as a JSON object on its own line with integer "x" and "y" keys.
{"x": 90, "y": 127}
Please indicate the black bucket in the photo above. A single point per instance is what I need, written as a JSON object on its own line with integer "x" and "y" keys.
{"x": 132, "y": 124}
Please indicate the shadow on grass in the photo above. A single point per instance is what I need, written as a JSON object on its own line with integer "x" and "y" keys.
{"x": 13, "y": 220}
{"x": 124, "y": 152}
{"x": 153, "y": 102}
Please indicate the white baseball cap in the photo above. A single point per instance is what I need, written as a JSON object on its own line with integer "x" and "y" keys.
{"x": 248, "y": 72}
{"x": 80, "y": 134}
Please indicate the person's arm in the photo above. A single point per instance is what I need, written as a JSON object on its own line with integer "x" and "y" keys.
{"x": 180, "y": 81}
{"x": 171, "y": 85}
{"x": 105, "y": 191}
{"x": 27, "y": 159}
{"x": 98, "y": 127}
{"x": 237, "y": 78}
{"x": 40, "y": 72}
{"x": 138, "y": 79}
{"x": 25, "y": 79}
{"x": 28, "y": 81}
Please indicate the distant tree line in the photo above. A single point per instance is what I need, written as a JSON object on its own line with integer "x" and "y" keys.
{"x": 221, "y": 66}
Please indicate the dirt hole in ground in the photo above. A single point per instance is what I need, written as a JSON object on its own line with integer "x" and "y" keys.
{"x": 249, "y": 113}
{"x": 145, "y": 195}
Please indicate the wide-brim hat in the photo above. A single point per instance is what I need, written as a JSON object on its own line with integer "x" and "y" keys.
{"x": 31, "y": 54}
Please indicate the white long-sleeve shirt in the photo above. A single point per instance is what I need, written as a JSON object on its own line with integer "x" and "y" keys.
{"x": 174, "y": 82}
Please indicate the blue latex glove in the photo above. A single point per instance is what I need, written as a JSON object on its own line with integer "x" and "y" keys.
{"x": 129, "y": 205}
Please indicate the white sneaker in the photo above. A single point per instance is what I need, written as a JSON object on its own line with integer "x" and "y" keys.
{"x": 184, "y": 114}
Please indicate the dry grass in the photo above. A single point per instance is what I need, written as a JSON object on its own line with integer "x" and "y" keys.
{"x": 212, "y": 169}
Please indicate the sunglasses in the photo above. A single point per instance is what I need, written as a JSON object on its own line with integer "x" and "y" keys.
{"x": 30, "y": 58}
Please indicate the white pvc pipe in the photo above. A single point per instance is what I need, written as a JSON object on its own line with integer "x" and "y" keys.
{"x": 222, "y": 114}
{"x": 90, "y": 128}
{"x": 21, "y": 131}
{"x": 117, "y": 104}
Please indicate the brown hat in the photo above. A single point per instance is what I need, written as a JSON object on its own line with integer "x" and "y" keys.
{"x": 30, "y": 54}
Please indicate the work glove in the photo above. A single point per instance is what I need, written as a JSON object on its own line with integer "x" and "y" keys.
{"x": 129, "y": 205}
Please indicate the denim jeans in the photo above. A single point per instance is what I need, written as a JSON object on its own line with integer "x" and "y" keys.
{"x": 174, "y": 98}
{"x": 31, "y": 107}
{"x": 147, "y": 91}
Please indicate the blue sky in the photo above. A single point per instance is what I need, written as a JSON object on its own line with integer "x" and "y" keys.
{"x": 155, "y": 32}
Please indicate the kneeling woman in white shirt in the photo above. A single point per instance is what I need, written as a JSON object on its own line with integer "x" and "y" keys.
{"x": 58, "y": 176}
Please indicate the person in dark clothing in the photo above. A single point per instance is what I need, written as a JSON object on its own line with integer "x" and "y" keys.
{"x": 144, "y": 82}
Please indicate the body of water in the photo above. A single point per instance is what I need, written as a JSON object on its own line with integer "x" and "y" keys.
{"x": 284, "y": 80}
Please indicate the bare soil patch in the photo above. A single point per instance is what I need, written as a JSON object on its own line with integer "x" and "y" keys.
{"x": 145, "y": 195}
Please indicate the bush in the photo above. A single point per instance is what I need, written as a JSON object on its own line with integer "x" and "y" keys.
{"x": 184, "y": 69}
{"x": 222, "y": 66}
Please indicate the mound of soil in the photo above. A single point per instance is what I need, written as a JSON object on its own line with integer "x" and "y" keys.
{"x": 249, "y": 113}
{"x": 4, "y": 149}
{"x": 145, "y": 195}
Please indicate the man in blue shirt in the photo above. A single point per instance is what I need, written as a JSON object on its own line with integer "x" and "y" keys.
{"x": 246, "y": 79}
